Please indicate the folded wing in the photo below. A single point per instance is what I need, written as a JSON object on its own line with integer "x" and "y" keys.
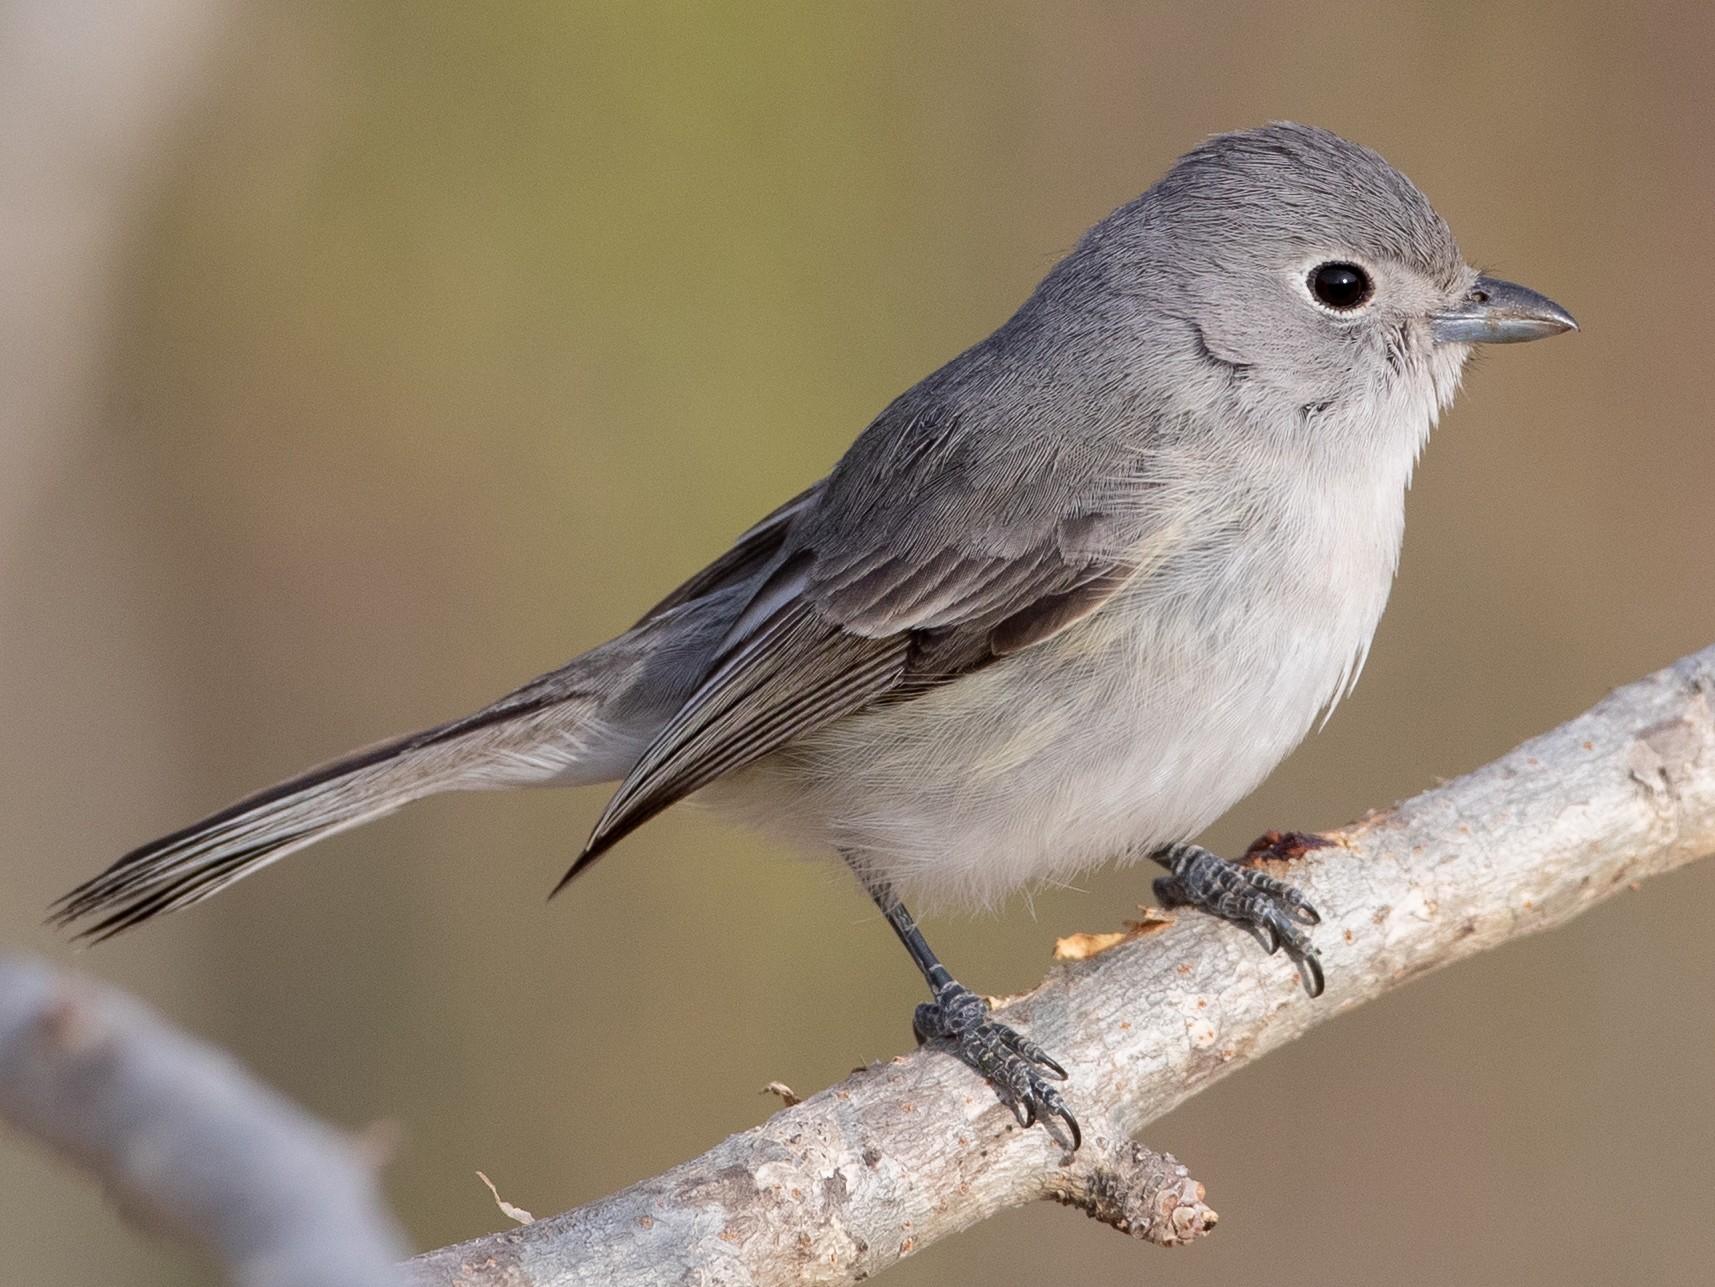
{"x": 908, "y": 569}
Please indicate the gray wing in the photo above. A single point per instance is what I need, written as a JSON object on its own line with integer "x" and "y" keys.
{"x": 936, "y": 547}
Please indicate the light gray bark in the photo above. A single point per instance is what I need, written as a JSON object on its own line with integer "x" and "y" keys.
{"x": 842, "y": 1185}
{"x": 185, "y": 1140}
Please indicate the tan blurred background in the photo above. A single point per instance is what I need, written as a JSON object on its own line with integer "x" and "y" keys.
{"x": 431, "y": 342}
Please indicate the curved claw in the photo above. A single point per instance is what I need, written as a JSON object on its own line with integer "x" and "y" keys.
{"x": 1015, "y": 1065}
{"x": 1269, "y": 909}
{"x": 1054, "y": 1106}
{"x": 1298, "y": 907}
{"x": 1310, "y": 970}
{"x": 1029, "y": 1051}
{"x": 1302, "y": 954}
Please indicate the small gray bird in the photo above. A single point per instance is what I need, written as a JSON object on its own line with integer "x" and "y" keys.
{"x": 1066, "y": 600}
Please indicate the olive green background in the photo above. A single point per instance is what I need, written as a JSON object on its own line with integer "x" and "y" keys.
{"x": 458, "y": 333}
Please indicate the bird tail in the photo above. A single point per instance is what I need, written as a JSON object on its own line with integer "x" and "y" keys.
{"x": 584, "y": 723}
{"x": 499, "y": 747}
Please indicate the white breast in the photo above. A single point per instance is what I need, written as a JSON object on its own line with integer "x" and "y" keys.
{"x": 1135, "y": 727}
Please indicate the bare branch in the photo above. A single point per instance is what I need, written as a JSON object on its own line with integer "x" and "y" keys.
{"x": 901, "y": 1154}
{"x": 185, "y": 1140}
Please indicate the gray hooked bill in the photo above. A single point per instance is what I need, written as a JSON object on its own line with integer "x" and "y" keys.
{"x": 1498, "y": 312}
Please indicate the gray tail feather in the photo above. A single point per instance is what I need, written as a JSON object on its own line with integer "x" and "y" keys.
{"x": 189, "y": 865}
{"x": 584, "y": 723}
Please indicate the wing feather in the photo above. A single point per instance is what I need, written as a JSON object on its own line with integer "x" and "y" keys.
{"x": 799, "y": 673}
{"x": 941, "y": 543}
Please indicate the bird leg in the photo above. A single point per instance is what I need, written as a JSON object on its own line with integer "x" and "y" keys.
{"x": 1270, "y": 909}
{"x": 1016, "y": 1066}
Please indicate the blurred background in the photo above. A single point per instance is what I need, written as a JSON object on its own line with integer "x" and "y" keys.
{"x": 363, "y": 361}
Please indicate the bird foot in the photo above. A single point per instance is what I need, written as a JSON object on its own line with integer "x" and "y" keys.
{"x": 1269, "y": 909}
{"x": 1016, "y": 1066}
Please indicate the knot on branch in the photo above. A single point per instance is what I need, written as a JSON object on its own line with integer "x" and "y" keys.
{"x": 1138, "y": 1191}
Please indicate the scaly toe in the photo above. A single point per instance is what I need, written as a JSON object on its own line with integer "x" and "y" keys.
{"x": 1016, "y": 1066}
{"x": 1273, "y": 912}
{"x": 999, "y": 1054}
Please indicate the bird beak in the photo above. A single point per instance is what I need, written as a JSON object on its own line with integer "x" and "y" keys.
{"x": 1498, "y": 312}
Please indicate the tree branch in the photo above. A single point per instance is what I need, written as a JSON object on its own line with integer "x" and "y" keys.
{"x": 185, "y": 1140}
{"x": 903, "y": 1153}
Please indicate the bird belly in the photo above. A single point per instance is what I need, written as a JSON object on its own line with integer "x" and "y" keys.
{"x": 1135, "y": 727}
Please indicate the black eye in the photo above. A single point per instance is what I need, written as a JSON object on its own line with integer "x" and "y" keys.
{"x": 1340, "y": 286}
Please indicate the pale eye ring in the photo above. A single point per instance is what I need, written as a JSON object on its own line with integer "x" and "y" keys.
{"x": 1341, "y": 286}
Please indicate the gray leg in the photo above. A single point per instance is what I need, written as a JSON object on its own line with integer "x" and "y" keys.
{"x": 1270, "y": 909}
{"x": 1017, "y": 1067}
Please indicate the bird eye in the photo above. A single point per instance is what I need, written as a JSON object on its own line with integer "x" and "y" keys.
{"x": 1341, "y": 287}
